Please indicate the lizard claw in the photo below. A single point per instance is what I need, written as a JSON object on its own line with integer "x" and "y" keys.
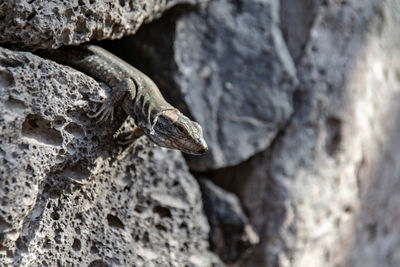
{"x": 130, "y": 137}
{"x": 105, "y": 112}
{"x": 125, "y": 141}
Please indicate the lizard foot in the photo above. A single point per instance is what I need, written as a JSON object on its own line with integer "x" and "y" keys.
{"x": 105, "y": 112}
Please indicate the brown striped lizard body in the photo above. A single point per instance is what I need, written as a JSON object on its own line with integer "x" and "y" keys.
{"x": 139, "y": 97}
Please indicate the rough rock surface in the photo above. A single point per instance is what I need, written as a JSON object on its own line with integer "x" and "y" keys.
{"x": 323, "y": 193}
{"x": 231, "y": 235}
{"x": 70, "y": 196}
{"x": 296, "y": 19}
{"x": 326, "y": 192}
{"x": 51, "y": 24}
{"x": 213, "y": 59}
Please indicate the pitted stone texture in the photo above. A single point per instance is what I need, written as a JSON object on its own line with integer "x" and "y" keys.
{"x": 42, "y": 132}
{"x": 326, "y": 193}
{"x": 53, "y": 23}
{"x": 232, "y": 69}
{"x": 70, "y": 196}
{"x": 141, "y": 209}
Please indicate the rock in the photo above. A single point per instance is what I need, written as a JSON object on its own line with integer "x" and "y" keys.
{"x": 70, "y": 196}
{"x": 231, "y": 235}
{"x": 211, "y": 56}
{"x": 296, "y": 19}
{"x": 53, "y": 23}
{"x": 326, "y": 192}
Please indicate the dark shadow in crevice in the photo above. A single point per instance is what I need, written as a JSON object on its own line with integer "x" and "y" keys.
{"x": 151, "y": 50}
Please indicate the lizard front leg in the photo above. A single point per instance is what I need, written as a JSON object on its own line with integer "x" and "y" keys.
{"x": 106, "y": 110}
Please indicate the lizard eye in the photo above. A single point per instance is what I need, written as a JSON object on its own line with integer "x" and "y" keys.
{"x": 180, "y": 128}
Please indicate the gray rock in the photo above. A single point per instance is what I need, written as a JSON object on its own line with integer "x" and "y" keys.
{"x": 233, "y": 58}
{"x": 53, "y": 23}
{"x": 326, "y": 192}
{"x": 230, "y": 66}
{"x": 231, "y": 235}
{"x": 70, "y": 196}
{"x": 297, "y": 18}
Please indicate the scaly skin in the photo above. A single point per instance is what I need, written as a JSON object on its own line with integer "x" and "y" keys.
{"x": 139, "y": 97}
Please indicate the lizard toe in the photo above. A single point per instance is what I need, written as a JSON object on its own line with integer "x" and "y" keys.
{"x": 101, "y": 101}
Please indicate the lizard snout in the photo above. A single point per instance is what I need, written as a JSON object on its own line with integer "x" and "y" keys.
{"x": 203, "y": 147}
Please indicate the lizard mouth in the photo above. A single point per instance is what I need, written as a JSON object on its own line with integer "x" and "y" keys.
{"x": 198, "y": 148}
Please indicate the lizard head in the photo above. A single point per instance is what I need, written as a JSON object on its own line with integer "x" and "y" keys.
{"x": 172, "y": 129}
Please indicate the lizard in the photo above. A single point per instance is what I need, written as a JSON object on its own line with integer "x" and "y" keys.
{"x": 137, "y": 94}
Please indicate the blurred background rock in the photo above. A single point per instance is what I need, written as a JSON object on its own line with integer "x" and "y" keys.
{"x": 299, "y": 104}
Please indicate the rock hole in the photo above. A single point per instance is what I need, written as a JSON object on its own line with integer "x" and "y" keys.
{"x": 94, "y": 249}
{"x": 79, "y": 216}
{"x": 9, "y": 62}
{"x": 334, "y": 135}
{"x": 88, "y": 13}
{"x": 21, "y": 244}
{"x": 162, "y": 211}
{"x": 31, "y": 16}
{"x": 76, "y": 245}
{"x": 6, "y": 79}
{"x": 98, "y": 263}
{"x": 55, "y": 215}
{"x": 348, "y": 209}
{"x": 75, "y": 129}
{"x": 183, "y": 226}
{"x": 37, "y": 128}
{"x": 78, "y": 172}
{"x": 65, "y": 34}
{"x": 372, "y": 229}
{"x": 140, "y": 208}
{"x": 58, "y": 121}
{"x": 10, "y": 253}
{"x": 4, "y": 225}
{"x": 58, "y": 236}
{"x": 52, "y": 192}
{"x": 81, "y": 25}
{"x": 146, "y": 237}
{"x": 115, "y": 222}
{"x": 161, "y": 227}
{"x": 68, "y": 14}
{"x": 15, "y": 105}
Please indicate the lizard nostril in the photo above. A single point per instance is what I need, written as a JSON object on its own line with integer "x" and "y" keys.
{"x": 203, "y": 148}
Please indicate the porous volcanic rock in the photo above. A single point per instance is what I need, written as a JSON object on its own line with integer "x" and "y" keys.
{"x": 70, "y": 196}
{"x": 53, "y": 23}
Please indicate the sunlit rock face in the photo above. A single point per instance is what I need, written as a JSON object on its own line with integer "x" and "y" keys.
{"x": 69, "y": 195}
